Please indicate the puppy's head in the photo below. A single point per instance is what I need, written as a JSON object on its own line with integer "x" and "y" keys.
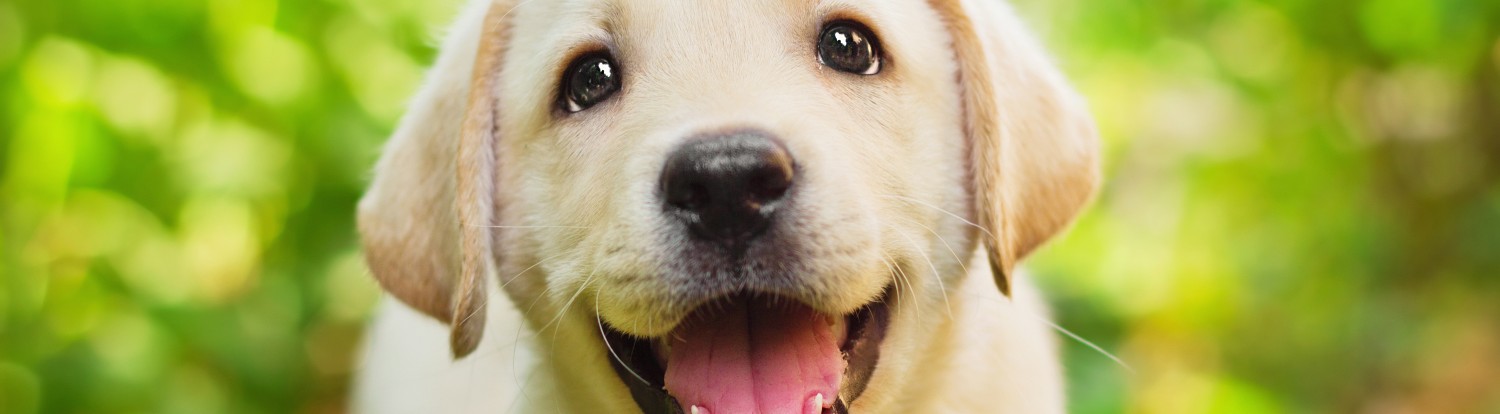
{"x": 792, "y": 182}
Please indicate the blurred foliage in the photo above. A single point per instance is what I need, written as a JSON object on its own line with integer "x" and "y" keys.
{"x": 179, "y": 182}
{"x": 1301, "y": 211}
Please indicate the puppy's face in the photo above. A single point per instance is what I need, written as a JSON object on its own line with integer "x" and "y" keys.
{"x": 667, "y": 155}
{"x": 751, "y": 204}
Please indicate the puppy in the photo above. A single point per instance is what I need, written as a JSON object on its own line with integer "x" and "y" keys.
{"x": 757, "y": 206}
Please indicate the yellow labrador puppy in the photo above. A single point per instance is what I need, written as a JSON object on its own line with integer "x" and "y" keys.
{"x": 750, "y": 206}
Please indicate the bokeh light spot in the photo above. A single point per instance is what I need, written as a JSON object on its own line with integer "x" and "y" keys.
{"x": 351, "y": 290}
{"x": 220, "y": 247}
{"x": 136, "y": 98}
{"x": 230, "y": 156}
{"x": 270, "y": 66}
{"x": 59, "y": 71}
{"x": 380, "y": 75}
{"x": 129, "y": 346}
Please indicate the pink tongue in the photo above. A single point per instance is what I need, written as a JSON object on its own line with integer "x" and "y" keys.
{"x": 754, "y": 358}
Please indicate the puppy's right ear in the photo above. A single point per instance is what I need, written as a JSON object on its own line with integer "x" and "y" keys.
{"x": 426, "y": 218}
{"x": 1035, "y": 153}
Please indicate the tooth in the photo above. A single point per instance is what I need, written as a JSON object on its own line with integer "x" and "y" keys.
{"x": 840, "y": 328}
{"x": 697, "y": 410}
{"x": 815, "y": 404}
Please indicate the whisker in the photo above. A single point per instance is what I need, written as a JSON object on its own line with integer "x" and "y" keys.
{"x": 935, "y": 273}
{"x": 527, "y": 269}
{"x": 534, "y": 227}
{"x": 940, "y": 209}
{"x": 515, "y": 354}
{"x": 581, "y": 287}
{"x": 558, "y": 319}
{"x": 486, "y": 303}
{"x": 521, "y": 327}
{"x": 911, "y": 290}
{"x": 940, "y": 238}
{"x": 901, "y": 277}
{"x": 598, "y": 320}
{"x": 1067, "y": 333}
{"x": 481, "y": 308}
{"x": 1086, "y": 342}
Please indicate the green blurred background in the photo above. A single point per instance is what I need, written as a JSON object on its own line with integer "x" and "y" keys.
{"x": 1301, "y": 211}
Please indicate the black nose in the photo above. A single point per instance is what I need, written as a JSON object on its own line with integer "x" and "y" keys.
{"x": 727, "y": 187}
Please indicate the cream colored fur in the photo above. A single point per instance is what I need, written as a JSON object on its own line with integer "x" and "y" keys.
{"x": 521, "y": 230}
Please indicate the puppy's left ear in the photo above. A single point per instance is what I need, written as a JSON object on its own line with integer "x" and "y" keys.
{"x": 427, "y": 218}
{"x": 1034, "y": 160}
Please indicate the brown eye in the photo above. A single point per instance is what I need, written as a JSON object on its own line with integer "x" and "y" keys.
{"x": 589, "y": 80}
{"x": 849, "y": 47}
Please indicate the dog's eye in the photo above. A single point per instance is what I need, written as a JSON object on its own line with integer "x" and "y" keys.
{"x": 849, "y": 47}
{"x": 590, "y": 80}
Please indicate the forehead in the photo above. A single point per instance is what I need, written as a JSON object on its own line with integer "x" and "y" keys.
{"x": 728, "y": 36}
{"x": 674, "y": 24}
{"x": 668, "y": 37}
{"x": 647, "y": 14}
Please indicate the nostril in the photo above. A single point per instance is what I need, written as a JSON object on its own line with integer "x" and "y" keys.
{"x": 688, "y": 196}
{"x": 770, "y": 185}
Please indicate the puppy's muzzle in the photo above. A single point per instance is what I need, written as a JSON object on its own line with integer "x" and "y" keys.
{"x": 727, "y": 187}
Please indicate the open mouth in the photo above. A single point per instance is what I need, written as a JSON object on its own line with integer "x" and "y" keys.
{"x": 749, "y": 353}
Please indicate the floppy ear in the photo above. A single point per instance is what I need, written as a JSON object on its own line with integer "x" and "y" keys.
{"x": 1034, "y": 150}
{"x": 426, "y": 219}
